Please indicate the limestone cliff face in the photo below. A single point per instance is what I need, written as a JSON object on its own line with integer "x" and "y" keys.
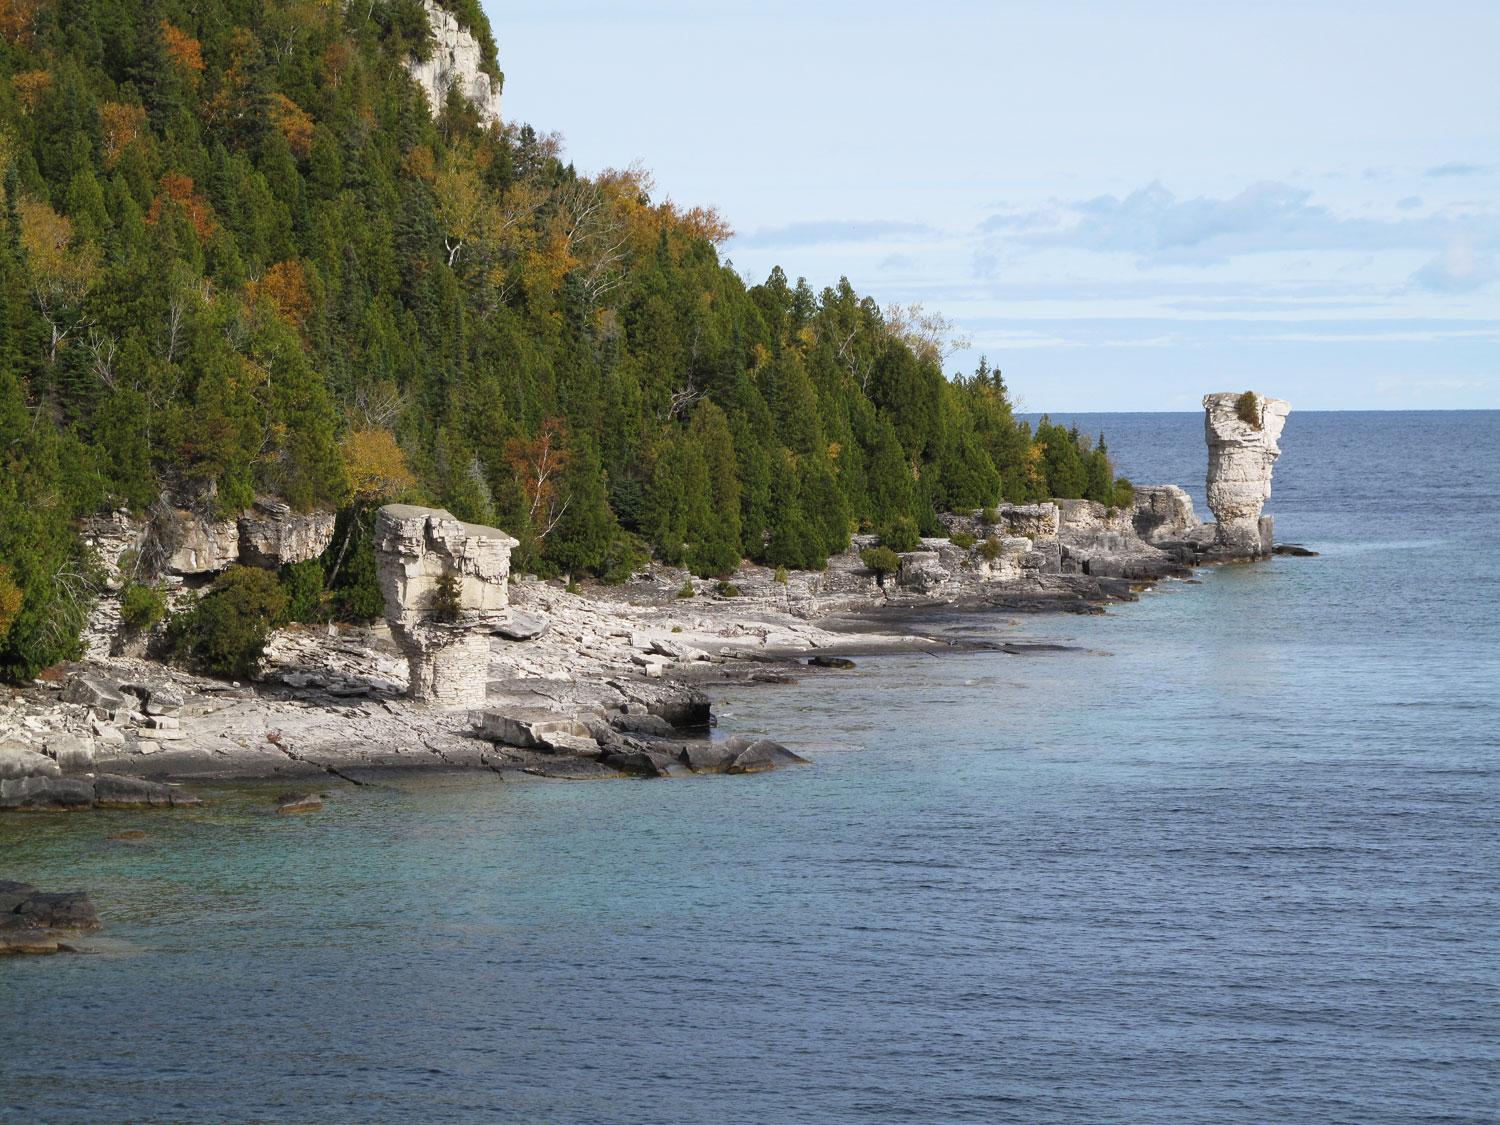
{"x": 455, "y": 60}
{"x": 1241, "y": 454}
{"x": 417, "y": 552}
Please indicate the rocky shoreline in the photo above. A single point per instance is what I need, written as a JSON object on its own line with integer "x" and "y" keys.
{"x": 528, "y": 679}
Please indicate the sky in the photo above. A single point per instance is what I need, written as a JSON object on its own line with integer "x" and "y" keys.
{"x": 1123, "y": 205}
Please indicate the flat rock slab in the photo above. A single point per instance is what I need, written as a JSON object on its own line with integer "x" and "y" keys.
{"x": 765, "y": 755}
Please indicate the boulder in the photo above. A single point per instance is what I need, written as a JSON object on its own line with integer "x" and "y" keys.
{"x": 764, "y": 755}
{"x": 651, "y": 725}
{"x": 19, "y": 761}
{"x": 91, "y": 691}
{"x": 522, "y": 626}
{"x": 32, "y": 921}
{"x": 529, "y": 730}
{"x": 839, "y": 662}
{"x": 1163, "y": 513}
{"x": 633, "y": 763}
{"x": 294, "y": 805}
{"x": 1241, "y": 454}
{"x": 71, "y": 753}
{"x": 115, "y": 791}
{"x": 41, "y": 794}
{"x": 708, "y": 757}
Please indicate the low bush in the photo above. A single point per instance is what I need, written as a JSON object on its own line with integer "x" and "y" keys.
{"x": 141, "y": 607}
{"x": 989, "y": 517}
{"x": 225, "y": 633}
{"x": 728, "y": 590}
{"x": 901, "y": 535}
{"x": 780, "y": 575}
{"x": 687, "y": 590}
{"x": 882, "y": 560}
{"x": 991, "y": 549}
{"x": 963, "y": 540}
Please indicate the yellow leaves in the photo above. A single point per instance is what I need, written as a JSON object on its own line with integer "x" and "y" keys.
{"x": 17, "y": 18}
{"x": 65, "y": 271}
{"x": 284, "y": 286}
{"x": 376, "y": 466}
{"x": 31, "y": 87}
{"x": 420, "y": 164}
{"x": 119, "y": 124}
{"x": 760, "y": 355}
{"x": 11, "y": 598}
{"x": 183, "y": 51}
{"x": 293, "y": 122}
{"x": 835, "y": 450}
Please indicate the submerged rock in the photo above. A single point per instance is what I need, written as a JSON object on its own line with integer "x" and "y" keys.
{"x": 33, "y": 921}
{"x": 840, "y": 662}
{"x": 295, "y": 805}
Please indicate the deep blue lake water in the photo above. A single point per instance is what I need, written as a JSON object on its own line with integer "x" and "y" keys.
{"x": 1239, "y": 861}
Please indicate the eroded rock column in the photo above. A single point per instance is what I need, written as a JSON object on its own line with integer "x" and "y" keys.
{"x": 1242, "y": 432}
{"x": 445, "y": 585}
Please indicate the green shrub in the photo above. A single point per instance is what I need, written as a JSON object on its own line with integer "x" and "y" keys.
{"x": 225, "y": 634}
{"x": 1124, "y": 496}
{"x": 901, "y": 535}
{"x": 882, "y": 560}
{"x": 1247, "y": 407}
{"x": 687, "y": 590}
{"x": 780, "y": 575}
{"x": 728, "y": 590}
{"x": 447, "y": 602}
{"x": 963, "y": 540}
{"x": 141, "y": 607}
{"x": 989, "y": 517}
{"x": 991, "y": 549}
{"x": 573, "y": 587}
{"x": 303, "y": 583}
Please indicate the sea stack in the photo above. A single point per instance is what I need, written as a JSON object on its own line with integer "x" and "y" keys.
{"x": 1242, "y": 431}
{"x": 446, "y": 591}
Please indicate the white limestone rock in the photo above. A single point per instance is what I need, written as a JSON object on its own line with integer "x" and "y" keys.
{"x": 272, "y": 535}
{"x": 1241, "y": 455}
{"x": 1163, "y": 512}
{"x": 455, "y": 60}
{"x": 417, "y": 550}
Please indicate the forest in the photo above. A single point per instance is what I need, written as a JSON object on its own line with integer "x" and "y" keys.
{"x": 240, "y": 255}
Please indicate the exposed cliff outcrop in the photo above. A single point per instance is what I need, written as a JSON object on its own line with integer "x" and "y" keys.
{"x": 1163, "y": 513}
{"x": 456, "y": 60}
{"x": 1242, "y": 433}
{"x": 445, "y": 585}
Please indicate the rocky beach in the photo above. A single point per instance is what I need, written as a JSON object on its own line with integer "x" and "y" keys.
{"x": 529, "y": 679}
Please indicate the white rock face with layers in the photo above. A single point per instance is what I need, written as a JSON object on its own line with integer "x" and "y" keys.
{"x": 455, "y": 61}
{"x": 417, "y": 552}
{"x": 1240, "y": 458}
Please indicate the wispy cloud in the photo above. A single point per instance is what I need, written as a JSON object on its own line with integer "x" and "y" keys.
{"x": 1458, "y": 269}
{"x": 1158, "y": 228}
{"x": 822, "y": 232}
{"x": 1456, "y": 168}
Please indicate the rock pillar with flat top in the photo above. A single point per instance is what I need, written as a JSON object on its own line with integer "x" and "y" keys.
{"x": 1242, "y": 432}
{"x": 445, "y": 585}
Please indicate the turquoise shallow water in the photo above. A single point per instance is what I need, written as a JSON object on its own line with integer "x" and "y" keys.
{"x": 1236, "y": 861}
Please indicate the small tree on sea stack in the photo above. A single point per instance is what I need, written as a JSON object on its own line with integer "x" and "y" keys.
{"x": 1247, "y": 406}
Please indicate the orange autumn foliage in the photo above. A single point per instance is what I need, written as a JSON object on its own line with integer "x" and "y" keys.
{"x": 16, "y": 20}
{"x": 180, "y": 190}
{"x": 293, "y": 121}
{"x": 285, "y": 287}
{"x": 31, "y": 87}
{"x": 182, "y": 49}
{"x": 119, "y": 125}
